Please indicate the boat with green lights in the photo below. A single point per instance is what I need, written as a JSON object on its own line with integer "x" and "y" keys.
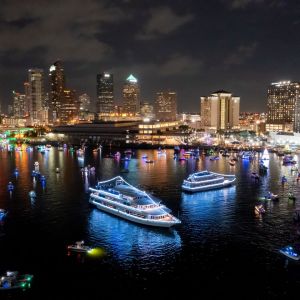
{"x": 13, "y": 280}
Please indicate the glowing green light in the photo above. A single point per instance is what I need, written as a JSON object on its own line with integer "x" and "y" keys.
{"x": 96, "y": 252}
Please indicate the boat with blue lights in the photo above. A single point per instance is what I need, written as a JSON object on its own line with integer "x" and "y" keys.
{"x": 206, "y": 180}
{"x": 3, "y": 214}
{"x": 289, "y": 252}
{"x": 118, "y": 197}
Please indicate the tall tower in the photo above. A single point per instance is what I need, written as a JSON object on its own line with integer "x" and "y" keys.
{"x": 69, "y": 109}
{"x": 220, "y": 111}
{"x": 283, "y": 97}
{"x": 28, "y": 107}
{"x": 166, "y": 106}
{"x": 18, "y": 105}
{"x": 105, "y": 94}
{"x": 57, "y": 87}
{"x": 36, "y": 93}
{"x": 131, "y": 96}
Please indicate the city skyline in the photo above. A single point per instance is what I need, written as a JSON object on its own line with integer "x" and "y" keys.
{"x": 189, "y": 47}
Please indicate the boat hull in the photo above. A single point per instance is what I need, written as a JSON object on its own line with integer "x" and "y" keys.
{"x": 289, "y": 256}
{"x": 121, "y": 214}
{"x": 207, "y": 188}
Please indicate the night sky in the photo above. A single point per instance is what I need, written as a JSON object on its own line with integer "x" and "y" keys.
{"x": 192, "y": 47}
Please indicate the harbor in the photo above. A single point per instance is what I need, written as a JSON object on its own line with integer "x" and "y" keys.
{"x": 218, "y": 228}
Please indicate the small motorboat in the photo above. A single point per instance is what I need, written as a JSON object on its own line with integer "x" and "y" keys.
{"x": 254, "y": 176}
{"x": 232, "y": 162}
{"x": 57, "y": 170}
{"x": 32, "y": 194}
{"x": 149, "y": 161}
{"x": 12, "y": 280}
{"x": 291, "y": 196}
{"x": 271, "y": 196}
{"x": 289, "y": 252}
{"x": 3, "y": 214}
{"x": 215, "y": 157}
{"x": 259, "y": 209}
{"x": 10, "y": 186}
{"x": 80, "y": 247}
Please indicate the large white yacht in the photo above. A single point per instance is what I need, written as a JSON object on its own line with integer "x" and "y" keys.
{"x": 205, "y": 180}
{"x": 118, "y": 197}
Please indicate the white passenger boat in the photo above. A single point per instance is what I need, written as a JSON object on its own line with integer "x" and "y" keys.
{"x": 79, "y": 247}
{"x": 118, "y": 197}
{"x": 205, "y": 180}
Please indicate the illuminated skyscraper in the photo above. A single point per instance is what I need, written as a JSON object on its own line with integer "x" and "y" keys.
{"x": 220, "y": 111}
{"x": 36, "y": 94}
{"x": 69, "y": 108}
{"x": 57, "y": 87}
{"x": 18, "y": 105}
{"x": 105, "y": 94}
{"x": 131, "y": 96}
{"x": 84, "y": 102}
{"x": 166, "y": 106}
{"x": 27, "y": 98}
{"x": 283, "y": 97}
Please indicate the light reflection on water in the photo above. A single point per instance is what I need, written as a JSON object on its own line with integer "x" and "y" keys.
{"x": 126, "y": 241}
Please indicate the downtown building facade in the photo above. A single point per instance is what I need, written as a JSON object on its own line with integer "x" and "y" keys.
{"x": 131, "y": 96}
{"x": 57, "y": 86}
{"x": 105, "y": 94}
{"x": 283, "y": 106}
{"x": 166, "y": 106}
{"x": 220, "y": 111}
{"x": 36, "y": 97}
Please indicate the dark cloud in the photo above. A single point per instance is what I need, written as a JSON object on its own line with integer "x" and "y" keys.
{"x": 65, "y": 29}
{"x": 162, "y": 21}
{"x": 193, "y": 47}
{"x": 241, "y": 54}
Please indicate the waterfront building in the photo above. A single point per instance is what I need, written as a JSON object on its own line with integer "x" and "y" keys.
{"x": 282, "y": 99}
{"x": 159, "y": 133}
{"x": 190, "y": 119}
{"x": 253, "y": 122}
{"x": 57, "y": 87}
{"x": 131, "y": 96}
{"x": 36, "y": 94}
{"x": 147, "y": 111}
{"x": 220, "y": 111}
{"x": 105, "y": 94}
{"x": 166, "y": 106}
{"x": 19, "y": 101}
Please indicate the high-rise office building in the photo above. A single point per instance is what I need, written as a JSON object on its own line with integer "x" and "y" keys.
{"x": 19, "y": 101}
{"x": 69, "y": 108}
{"x": 105, "y": 94}
{"x": 283, "y": 97}
{"x": 220, "y": 111}
{"x": 166, "y": 106}
{"x": 28, "y": 107}
{"x": 36, "y": 94}
{"x": 84, "y": 102}
{"x": 131, "y": 96}
{"x": 57, "y": 87}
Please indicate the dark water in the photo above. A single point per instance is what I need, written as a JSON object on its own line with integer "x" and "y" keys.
{"x": 221, "y": 247}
